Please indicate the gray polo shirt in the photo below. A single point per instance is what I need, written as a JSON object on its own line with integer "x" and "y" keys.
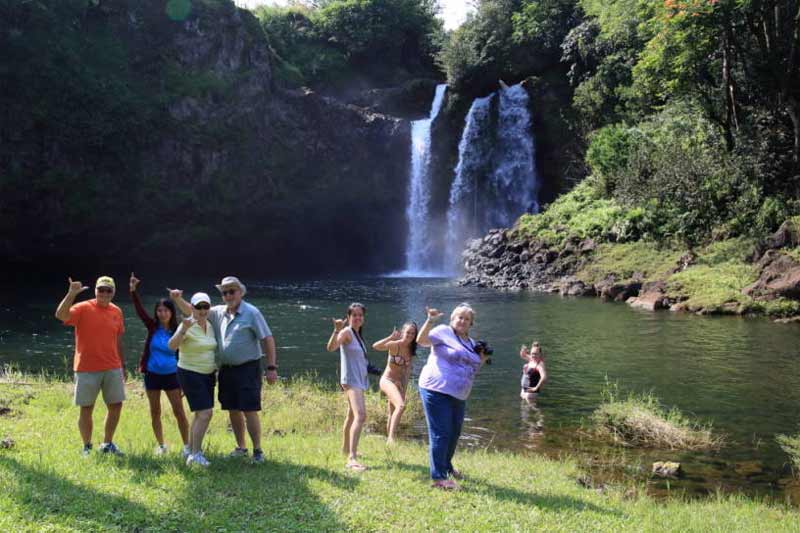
{"x": 239, "y": 334}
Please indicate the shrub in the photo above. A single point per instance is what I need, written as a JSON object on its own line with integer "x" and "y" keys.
{"x": 675, "y": 164}
{"x": 584, "y": 213}
{"x": 641, "y": 420}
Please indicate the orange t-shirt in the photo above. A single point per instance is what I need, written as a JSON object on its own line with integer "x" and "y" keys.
{"x": 97, "y": 330}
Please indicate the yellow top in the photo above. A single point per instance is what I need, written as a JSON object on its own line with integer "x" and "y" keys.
{"x": 198, "y": 349}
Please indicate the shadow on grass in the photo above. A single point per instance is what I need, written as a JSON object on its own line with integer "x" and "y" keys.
{"x": 233, "y": 495}
{"x": 478, "y": 486}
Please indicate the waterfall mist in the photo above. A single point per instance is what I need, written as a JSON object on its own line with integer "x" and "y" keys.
{"x": 495, "y": 178}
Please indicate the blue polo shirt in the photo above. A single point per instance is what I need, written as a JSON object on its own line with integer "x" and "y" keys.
{"x": 239, "y": 334}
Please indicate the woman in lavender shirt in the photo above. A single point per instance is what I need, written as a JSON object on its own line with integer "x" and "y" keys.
{"x": 445, "y": 384}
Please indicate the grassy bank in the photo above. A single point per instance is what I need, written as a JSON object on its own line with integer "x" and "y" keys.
{"x": 626, "y": 247}
{"x": 641, "y": 420}
{"x": 303, "y": 485}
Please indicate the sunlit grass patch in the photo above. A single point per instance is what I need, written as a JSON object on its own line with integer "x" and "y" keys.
{"x": 718, "y": 276}
{"x": 641, "y": 420}
{"x": 625, "y": 259}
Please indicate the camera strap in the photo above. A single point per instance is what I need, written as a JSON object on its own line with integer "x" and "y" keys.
{"x": 469, "y": 346}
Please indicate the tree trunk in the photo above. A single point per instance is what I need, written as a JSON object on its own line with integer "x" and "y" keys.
{"x": 794, "y": 114}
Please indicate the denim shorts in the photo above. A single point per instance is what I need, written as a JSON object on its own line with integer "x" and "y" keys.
{"x": 198, "y": 388}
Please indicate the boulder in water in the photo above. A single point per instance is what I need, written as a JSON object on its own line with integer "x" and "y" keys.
{"x": 667, "y": 469}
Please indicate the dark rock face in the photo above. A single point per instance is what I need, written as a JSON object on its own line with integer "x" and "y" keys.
{"x": 780, "y": 277}
{"x": 411, "y": 101}
{"x": 270, "y": 180}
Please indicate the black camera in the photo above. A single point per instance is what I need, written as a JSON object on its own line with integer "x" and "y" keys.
{"x": 483, "y": 348}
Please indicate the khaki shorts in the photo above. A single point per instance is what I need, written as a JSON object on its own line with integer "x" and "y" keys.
{"x": 89, "y": 384}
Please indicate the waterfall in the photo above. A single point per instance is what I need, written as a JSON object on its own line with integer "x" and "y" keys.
{"x": 418, "y": 215}
{"x": 474, "y": 157}
{"x": 495, "y": 179}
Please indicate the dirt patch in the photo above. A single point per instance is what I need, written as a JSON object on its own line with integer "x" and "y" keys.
{"x": 6, "y": 411}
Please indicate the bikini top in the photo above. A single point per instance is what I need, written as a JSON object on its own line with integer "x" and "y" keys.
{"x": 399, "y": 360}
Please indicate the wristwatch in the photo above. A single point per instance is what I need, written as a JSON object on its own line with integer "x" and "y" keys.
{"x": 270, "y": 368}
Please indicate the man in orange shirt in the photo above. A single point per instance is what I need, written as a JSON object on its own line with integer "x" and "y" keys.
{"x": 99, "y": 364}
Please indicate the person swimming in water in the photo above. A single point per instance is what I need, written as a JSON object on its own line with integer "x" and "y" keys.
{"x": 534, "y": 373}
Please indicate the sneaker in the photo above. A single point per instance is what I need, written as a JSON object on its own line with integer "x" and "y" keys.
{"x": 238, "y": 452}
{"x": 445, "y": 484}
{"x": 111, "y": 448}
{"x": 197, "y": 459}
{"x": 161, "y": 449}
{"x": 258, "y": 456}
{"x": 187, "y": 451}
{"x": 87, "y": 450}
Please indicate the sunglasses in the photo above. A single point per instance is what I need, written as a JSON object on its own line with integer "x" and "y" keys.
{"x": 105, "y": 289}
{"x": 202, "y": 307}
{"x": 227, "y": 292}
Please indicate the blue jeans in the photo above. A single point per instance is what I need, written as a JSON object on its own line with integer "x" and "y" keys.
{"x": 445, "y": 416}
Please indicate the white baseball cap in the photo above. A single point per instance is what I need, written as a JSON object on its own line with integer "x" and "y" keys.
{"x": 200, "y": 297}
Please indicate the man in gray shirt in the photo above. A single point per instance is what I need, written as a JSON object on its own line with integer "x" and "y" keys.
{"x": 243, "y": 338}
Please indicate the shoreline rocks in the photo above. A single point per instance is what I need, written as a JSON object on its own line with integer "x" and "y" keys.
{"x": 504, "y": 260}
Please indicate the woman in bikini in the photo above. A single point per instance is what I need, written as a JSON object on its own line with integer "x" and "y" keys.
{"x": 534, "y": 373}
{"x": 402, "y": 346}
{"x": 347, "y": 338}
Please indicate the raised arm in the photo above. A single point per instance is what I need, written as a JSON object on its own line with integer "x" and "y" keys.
{"x": 137, "y": 302}
{"x": 176, "y": 295}
{"x": 75, "y": 288}
{"x": 384, "y": 344}
{"x": 339, "y": 335}
{"x": 175, "y": 341}
{"x": 524, "y": 354}
{"x": 433, "y": 315}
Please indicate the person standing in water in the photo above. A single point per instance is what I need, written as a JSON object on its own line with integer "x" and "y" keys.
{"x": 534, "y": 373}
{"x": 353, "y": 379}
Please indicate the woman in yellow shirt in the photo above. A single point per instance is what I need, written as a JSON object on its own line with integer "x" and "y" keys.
{"x": 196, "y": 344}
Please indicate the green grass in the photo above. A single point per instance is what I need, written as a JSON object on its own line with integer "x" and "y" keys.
{"x": 641, "y": 420}
{"x": 625, "y": 259}
{"x": 303, "y": 485}
{"x": 791, "y": 445}
{"x": 718, "y": 276}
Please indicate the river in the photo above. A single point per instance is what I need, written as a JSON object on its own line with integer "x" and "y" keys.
{"x": 741, "y": 375}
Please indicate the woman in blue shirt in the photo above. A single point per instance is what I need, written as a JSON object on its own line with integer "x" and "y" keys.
{"x": 159, "y": 365}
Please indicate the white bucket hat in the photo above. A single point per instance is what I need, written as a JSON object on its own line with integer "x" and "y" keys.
{"x": 232, "y": 280}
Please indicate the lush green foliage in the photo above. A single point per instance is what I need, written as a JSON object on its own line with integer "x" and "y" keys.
{"x": 675, "y": 165}
{"x": 505, "y": 39}
{"x": 690, "y": 108}
{"x": 583, "y": 212}
{"x": 339, "y": 39}
{"x": 303, "y": 485}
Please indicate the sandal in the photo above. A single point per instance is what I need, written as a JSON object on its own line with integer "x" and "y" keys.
{"x": 445, "y": 484}
{"x": 355, "y": 466}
